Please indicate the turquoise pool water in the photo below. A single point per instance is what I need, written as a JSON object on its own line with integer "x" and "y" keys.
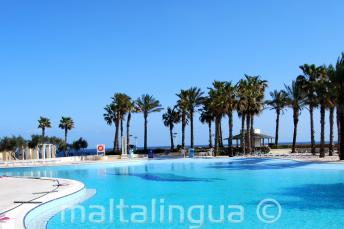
{"x": 310, "y": 195}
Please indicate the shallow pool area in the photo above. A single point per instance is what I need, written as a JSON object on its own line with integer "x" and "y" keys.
{"x": 202, "y": 193}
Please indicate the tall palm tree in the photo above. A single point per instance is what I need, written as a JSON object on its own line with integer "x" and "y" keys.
{"x": 251, "y": 92}
{"x": 111, "y": 117}
{"x": 230, "y": 93}
{"x": 130, "y": 109}
{"x": 217, "y": 107}
{"x": 242, "y": 104}
{"x": 278, "y": 103}
{"x": 44, "y": 123}
{"x": 257, "y": 88}
{"x": 207, "y": 117}
{"x": 115, "y": 114}
{"x": 66, "y": 123}
{"x": 170, "y": 118}
{"x": 322, "y": 90}
{"x": 308, "y": 82}
{"x": 331, "y": 105}
{"x": 147, "y": 104}
{"x": 182, "y": 105}
{"x": 295, "y": 99}
{"x": 339, "y": 82}
{"x": 194, "y": 99}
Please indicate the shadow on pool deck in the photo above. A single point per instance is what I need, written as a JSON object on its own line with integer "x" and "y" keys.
{"x": 257, "y": 164}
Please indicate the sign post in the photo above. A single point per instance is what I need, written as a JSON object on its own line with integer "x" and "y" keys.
{"x": 101, "y": 149}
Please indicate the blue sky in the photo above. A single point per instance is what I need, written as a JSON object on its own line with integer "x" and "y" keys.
{"x": 69, "y": 57}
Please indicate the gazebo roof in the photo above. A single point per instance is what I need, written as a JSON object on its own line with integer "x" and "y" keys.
{"x": 256, "y": 136}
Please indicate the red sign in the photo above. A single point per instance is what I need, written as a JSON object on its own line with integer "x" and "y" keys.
{"x": 101, "y": 148}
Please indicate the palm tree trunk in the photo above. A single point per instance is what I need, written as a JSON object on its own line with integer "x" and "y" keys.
{"x": 338, "y": 129}
{"x": 331, "y": 147}
{"x": 146, "y": 133}
{"x": 128, "y": 129}
{"x": 183, "y": 129}
{"x": 171, "y": 137}
{"x": 248, "y": 133}
{"x": 230, "y": 129}
{"x": 311, "y": 111}
{"x": 43, "y": 135}
{"x": 252, "y": 133}
{"x": 340, "y": 110}
{"x": 210, "y": 136}
{"x": 217, "y": 135}
{"x": 122, "y": 128}
{"x": 243, "y": 147}
{"x": 192, "y": 129}
{"x": 116, "y": 145}
{"x": 65, "y": 146}
{"x": 296, "y": 121}
{"x": 220, "y": 134}
{"x": 278, "y": 113}
{"x": 322, "y": 132}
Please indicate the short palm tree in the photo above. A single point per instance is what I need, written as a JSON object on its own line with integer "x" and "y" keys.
{"x": 67, "y": 124}
{"x": 295, "y": 99}
{"x": 182, "y": 106}
{"x": 170, "y": 118}
{"x": 278, "y": 103}
{"x": 147, "y": 104}
{"x": 44, "y": 123}
{"x": 194, "y": 98}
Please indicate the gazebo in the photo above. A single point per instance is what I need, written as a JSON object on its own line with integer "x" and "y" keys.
{"x": 259, "y": 139}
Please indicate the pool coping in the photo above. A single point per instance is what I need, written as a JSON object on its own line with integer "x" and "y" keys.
{"x": 18, "y": 214}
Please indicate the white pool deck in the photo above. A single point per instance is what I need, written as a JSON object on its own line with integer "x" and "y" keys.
{"x": 20, "y": 195}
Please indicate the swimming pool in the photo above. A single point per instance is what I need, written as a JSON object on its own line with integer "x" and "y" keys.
{"x": 207, "y": 193}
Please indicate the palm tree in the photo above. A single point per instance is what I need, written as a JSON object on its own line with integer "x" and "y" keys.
{"x": 111, "y": 117}
{"x": 251, "y": 91}
{"x": 339, "y": 82}
{"x": 66, "y": 123}
{"x": 241, "y": 105}
{"x": 207, "y": 117}
{"x": 278, "y": 103}
{"x": 130, "y": 109}
{"x": 308, "y": 82}
{"x": 44, "y": 123}
{"x": 194, "y": 99}
{"x": 115, "y": 114}
{"x": 170, "y": 118}
{"x": 257, "y": 88}
{"x": 147, "y": 104}
{"x": 182, "y": 105}
{"x": 322, "y": 90}
{"x": 295, "y": 99}
{"x": 331, "y": 98}
{"x": 217, "y": 107}
{"x": 230, "y": 92}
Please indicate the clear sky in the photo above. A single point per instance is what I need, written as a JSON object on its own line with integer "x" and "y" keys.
{"x": 68, "y": 57}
